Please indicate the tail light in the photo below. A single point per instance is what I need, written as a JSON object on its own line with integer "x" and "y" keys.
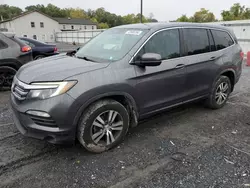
{"x": 25, "y": 48}
{"x": 55, "y": 49}
{"x": 242, "y": 55}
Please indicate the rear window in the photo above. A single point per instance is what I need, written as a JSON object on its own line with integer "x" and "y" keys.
{"x": 18, "y": 41}
{"x": 222, "y": 39}
{"x": 197, "y": 41}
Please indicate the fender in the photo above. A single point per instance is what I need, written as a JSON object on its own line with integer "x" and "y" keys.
{"x": 11, "y": 62}
{"x": 230, "y": 69}
{"x": 135, "y": 113}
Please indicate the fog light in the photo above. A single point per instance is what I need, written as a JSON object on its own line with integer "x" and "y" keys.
{"x": 38, "y": 113}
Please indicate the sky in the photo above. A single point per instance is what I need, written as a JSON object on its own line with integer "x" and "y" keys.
{"x": 163, "y": 10}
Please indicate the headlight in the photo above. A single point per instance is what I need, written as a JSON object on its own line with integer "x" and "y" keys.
{"x": 49, "y": 89}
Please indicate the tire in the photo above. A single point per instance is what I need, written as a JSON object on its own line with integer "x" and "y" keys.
{"x": 6, "y": 76}
{"x": 90, "y": 126}
{"x": 39, "y": 57}
{"x": 218, "y": 88}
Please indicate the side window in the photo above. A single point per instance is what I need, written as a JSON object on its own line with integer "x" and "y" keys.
{"x": 197, "y": 41}
{"x": 3, "y": 45}
{"x": 222, "y": 39}
{"x": 211, "y": 41}
{"x": 166, "y": 43}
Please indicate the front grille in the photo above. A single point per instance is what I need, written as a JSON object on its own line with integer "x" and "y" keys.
{"x": 42, "y": 121}
{"x": 18, "y": 90}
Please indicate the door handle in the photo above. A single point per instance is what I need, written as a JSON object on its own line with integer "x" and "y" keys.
{"x": 213, "y": 58}
{"x": 180, "y": 66}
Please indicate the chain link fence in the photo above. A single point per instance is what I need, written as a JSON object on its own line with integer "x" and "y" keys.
{"x": 76, "y": 37}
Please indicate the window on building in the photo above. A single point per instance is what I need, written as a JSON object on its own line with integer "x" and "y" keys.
{"x": 165, "y": 43}
{"x": 92, "y": 27}
{"x": 80, "y": 28}
{"x": 85, "y": 27}
{"x": 35, "y": 37}
{"x": 32, "y": 24}
{"x": 43, "y": 37}
{"x": 72, "y": 27}
{"x": 64, "y": 27}
{"x": 197, "y": 41}
{"x": 51, "y": 36}
{"x": 24, "y": 35}
{"x": 222, "y": 39}
{"x": 41, "y": 24}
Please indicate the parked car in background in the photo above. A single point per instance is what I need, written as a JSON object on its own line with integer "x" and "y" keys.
{"x": 40, "y": 49}
{"x": 122, "y": 76}
{"x": 13, "y": 54}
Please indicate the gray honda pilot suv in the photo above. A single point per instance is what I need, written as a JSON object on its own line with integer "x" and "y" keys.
{"x": 121, "y": 76}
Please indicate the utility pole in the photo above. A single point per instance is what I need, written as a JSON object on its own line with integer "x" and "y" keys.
{"x": 141, "y": 9}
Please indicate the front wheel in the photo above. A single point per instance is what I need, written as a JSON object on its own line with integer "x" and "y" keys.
{"x": 6, "y": 76}
{"x": 103, "y": 126}
{"x": 219, "y": 93}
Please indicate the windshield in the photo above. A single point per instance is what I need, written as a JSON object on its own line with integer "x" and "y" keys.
{"x": 111, "y": 45}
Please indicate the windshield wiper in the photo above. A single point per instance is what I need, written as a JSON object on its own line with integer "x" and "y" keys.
{"x": 85, "y": 58}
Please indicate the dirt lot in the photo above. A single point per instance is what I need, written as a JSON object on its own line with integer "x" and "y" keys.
{"x": 187, "y": 147}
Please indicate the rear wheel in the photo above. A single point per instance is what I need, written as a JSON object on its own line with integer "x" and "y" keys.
{"x": 103, "y": 126}
{"x": 219, "y": 93}
{"x": 39, "y": 57}
{"x": 6, "y": 76}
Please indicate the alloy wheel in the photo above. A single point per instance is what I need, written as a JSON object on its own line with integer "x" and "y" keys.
{"x": 6, "y": 76}
{"x": 107, "y": 127}
{"x": 221, "y": 93}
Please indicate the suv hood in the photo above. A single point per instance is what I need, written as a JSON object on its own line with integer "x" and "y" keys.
{"x": 56, "y": 68}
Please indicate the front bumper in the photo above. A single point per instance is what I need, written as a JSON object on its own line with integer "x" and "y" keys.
{"x": 59, "y": 108}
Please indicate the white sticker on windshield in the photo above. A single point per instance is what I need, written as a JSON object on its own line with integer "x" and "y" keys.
{"x": 133, "y": 32}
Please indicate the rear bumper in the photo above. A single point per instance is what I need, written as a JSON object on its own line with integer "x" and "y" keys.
{"x": 51, "y": 54}
{"x": 63, "y": 133}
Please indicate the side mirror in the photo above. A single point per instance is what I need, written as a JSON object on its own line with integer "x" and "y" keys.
{"x": 71, "y": 53}
{"x": 150, "y": 59}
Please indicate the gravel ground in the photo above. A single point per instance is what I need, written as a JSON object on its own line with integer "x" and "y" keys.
{"x": 188, "y": 147}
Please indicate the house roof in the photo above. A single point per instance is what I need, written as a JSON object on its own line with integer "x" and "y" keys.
{"x": 26, "y": 13}
{"x": 76, "y": 21}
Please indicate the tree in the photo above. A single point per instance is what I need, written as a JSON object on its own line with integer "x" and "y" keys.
{"x": 77, "y": 13}
{"x": 103, "y": 26}
{"x": 203, "y": 16}
{"x": 50, "y": 10}
{"x": 183, "y": 18}
{"x": 7, "y": 12}
{"x": 236, "y": 12}
{"x": 151, "y": 18}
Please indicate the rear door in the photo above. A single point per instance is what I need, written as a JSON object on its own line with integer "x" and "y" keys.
{"x": 200, "y": 61}
{"x": 161, "y": 86}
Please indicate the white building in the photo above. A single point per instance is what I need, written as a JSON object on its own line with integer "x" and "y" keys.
{"x": 32, "y": 24}
{"x": 75, "y": 24}
{"x": 37, "y": 25}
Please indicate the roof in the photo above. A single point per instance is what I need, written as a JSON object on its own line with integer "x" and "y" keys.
{"x": 76, "y": 21}
{"x": 162, "y": 25}
{"x": 26, "y": 13}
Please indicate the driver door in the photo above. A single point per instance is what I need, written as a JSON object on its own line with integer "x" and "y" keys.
{"x": 161, "y": 86}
